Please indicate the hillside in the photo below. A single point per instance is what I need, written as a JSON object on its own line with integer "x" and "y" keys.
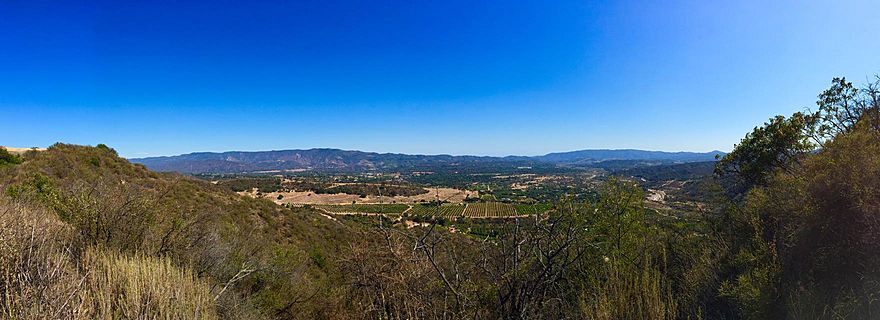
{"x": 343, "y": 160}
{"x": 103, "y": 201}
{"x": 681, "y": 171}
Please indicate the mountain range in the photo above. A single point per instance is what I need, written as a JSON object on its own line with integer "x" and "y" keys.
{"x": 354, "y": 161}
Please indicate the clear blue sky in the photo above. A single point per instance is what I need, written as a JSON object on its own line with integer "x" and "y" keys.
{"x": 456, "y": 77}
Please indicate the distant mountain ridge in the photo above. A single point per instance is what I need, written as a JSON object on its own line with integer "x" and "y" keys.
{"x": 628, "y": 154}
{"x": 347, "y": 160}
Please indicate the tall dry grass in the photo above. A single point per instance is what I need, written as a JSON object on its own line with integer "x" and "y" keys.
{"x": 143, "y": 287}
{"x": 45, "y": 274}
{"x": 630, "y": 293}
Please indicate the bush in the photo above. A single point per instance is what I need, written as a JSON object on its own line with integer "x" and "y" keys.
{"x": 8, "y": 158}
{"x": 38, "y": 275}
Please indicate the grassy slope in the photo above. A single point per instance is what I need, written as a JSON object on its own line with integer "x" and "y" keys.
{"x": 200, "y": 225}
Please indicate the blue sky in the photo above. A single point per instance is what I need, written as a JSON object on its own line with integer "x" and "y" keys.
{"x": 456, "y": 77}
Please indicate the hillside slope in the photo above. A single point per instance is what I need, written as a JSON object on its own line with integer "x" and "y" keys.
{"x": 259, "y": 259}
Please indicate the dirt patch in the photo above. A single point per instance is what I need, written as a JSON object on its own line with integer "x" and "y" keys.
{"x": 656, "y": 195}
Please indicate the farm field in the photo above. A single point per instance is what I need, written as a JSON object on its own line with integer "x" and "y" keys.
{"x": 365, "y": 208}
{"x": 530, "y": 209}
{"x": 446, "y": 210}
{"x": 489, "y": 210}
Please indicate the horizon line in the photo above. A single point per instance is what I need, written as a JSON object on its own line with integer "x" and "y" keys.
{"x": 422, "y": 154}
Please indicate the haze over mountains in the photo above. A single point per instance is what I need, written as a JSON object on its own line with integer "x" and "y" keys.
{"x": 346, "y": 160}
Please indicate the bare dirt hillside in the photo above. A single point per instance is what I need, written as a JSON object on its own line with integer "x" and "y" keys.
{"x": 21, "y": 150}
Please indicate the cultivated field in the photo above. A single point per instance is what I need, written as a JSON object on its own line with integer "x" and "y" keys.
{"x": 530, "y": 209}
{"x": 489, "y": 210}
{"x": 366, "y": 208}
{"x": 446, "y": 210}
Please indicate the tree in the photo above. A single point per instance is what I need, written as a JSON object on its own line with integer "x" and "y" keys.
{"x": 782, "y": 142}
{"x": 809, "y": 235}
{"x": 842, "y": 106}
{"x": 776, "y": 145}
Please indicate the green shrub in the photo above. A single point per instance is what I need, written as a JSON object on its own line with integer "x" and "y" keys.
{"x": 7, "y": 158}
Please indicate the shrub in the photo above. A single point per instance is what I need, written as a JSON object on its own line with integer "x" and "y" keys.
{"x": 38, "y": 277}
{"x": 104, "y": 147}
{"x": 107, "y": 213}
{"x": 8, "y": 158}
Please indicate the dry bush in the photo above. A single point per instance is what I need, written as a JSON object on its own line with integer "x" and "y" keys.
{"x": 390, "y": 280}
{"x": 107, "y": 213}
{"x": 38, "y": 278}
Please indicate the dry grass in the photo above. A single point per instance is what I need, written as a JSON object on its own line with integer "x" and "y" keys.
{"x": 44, "y": 274}
{"x": 144, "y": 288}
{"x": 631, "y": 295}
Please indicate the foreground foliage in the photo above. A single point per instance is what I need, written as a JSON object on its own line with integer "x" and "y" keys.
{"x": 804, "y": 238}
